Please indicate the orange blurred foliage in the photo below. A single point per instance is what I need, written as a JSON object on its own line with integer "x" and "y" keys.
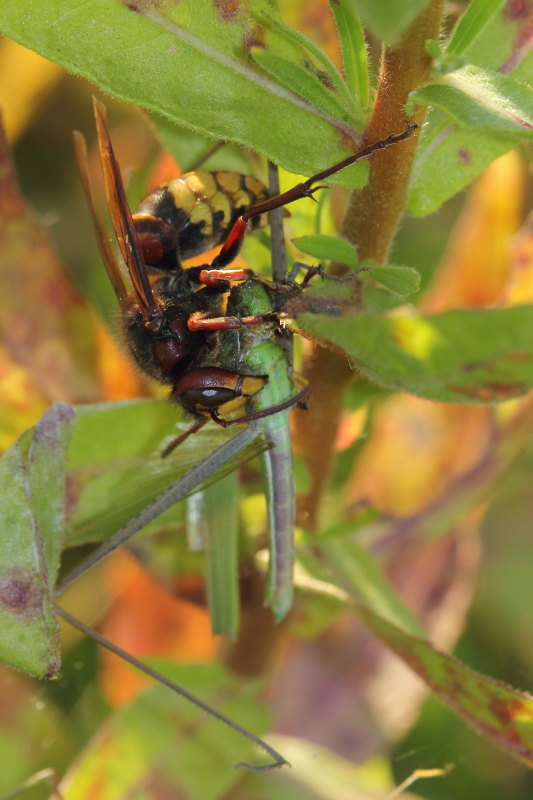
{"x": 520, "y": 284}
{"x": 165, "y": 169}
{"x": 477, "y": 266}
{"x": 417, "y": 450}
{"x": 146, "y": 620}
{"x": 54, "y": 346}
{"x": 21, "y": 402}
{"x": 316, "y": 20}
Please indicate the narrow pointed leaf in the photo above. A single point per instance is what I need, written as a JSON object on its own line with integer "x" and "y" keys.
{"x": 281, "y": 38}
{"x": 222, "y": 556}
{"x": 387, "y": 19}
{"x": 471, "y": 23}
{"x": 353, "y": 45}
{"x": 299, "y": 78}
{"x": 354, "y": 568}
{"x": 498, "y": 712}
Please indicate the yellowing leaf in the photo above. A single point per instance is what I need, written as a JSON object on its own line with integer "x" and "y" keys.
{"x": 520, "y": 284}
{"x": 26, "y": 79}
{"x": 21, "y": 404}
{"x": 416, "y": 452}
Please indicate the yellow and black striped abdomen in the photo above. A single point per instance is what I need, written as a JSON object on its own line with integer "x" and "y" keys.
{"x": 193, "y": 213}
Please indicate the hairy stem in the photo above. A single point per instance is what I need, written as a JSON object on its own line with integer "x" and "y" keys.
{"x": 371, "y": 221}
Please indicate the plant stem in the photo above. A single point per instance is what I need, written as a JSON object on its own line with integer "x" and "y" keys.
{"x": 371, "y": 221}
{"x": 251, "y": 653}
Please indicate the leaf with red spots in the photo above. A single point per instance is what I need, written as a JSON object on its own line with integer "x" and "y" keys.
{"x": 496, "y": 711}
{"x": 494, "y": 37}
{"x": 459, "y": 356}
{"x": 31, "y": 522}
{"x": 493, "y": 112}
{"x": 449, "y": 158}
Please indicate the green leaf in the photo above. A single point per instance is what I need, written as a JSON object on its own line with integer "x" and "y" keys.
{"x": 353, "y": 46}
{"x": 503, "y": 44}
{"x": 328, "y": 248}
{"x": 387, "y": 19}
{"x": 304, "y": 81}
{"x": 400, "y": 280}
{"x": 191, "y": 65}
{"x": 487, "y": 101}
{"x": 222, "y": 563}
{"x": 499, "y": 713}
{"x": 160, "y": 740}
{"x": 290, "y": 44}
{"x": 463, "y": 356}
{"x": 109, "y": 457}
{"x": 448, "y": 159}
{"x": 354, "y": 570}
{"x": 471, "y": 24}
{"x": 32, "y": 522}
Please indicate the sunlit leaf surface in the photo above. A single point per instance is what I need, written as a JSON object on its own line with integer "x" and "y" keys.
{"x": 484, "y": 100}
{"x": 458, "y": 356}
{"x": 196, "y": 70}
